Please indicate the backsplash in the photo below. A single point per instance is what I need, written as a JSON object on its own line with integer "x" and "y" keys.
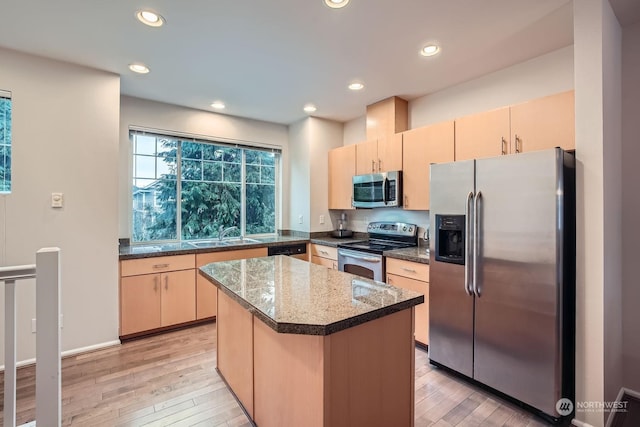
{"x": 358, "y": 219}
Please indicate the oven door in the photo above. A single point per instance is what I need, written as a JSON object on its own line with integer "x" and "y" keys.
{"x": 362, "y": 264}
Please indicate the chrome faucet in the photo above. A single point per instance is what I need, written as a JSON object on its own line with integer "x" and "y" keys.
{"x": 222, "y": 232}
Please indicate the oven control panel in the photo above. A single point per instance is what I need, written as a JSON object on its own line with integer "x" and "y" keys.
{"x": 392, "y": 228}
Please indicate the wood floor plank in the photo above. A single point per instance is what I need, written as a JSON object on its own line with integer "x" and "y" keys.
{"x": 170, "y": 380}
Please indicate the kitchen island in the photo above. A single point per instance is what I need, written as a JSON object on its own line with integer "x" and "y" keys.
{"x": 303, "y": 345}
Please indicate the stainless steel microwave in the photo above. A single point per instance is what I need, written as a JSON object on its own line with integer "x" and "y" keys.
{"x": 377, "y": 190}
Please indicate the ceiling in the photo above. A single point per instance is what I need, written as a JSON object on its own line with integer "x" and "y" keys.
{"x": 266, "y": 59}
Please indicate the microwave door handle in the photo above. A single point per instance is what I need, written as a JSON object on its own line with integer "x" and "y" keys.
{"x": 468, "y": 252}
{"x": 385, "y": 190}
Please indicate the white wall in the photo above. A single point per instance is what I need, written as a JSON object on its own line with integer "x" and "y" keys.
{"x": 545, "y": 75}
{"x": 203, "y": 124}
{"x": 597, "y": 79}
{"x": 310, "y": 141}
{"x": 65, "y": 139}
{"x": 630, "y": 204}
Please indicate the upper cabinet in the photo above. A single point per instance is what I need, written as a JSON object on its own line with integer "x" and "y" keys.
{"x": 342, "y": 167}
{"x": 421, "y": 147}
{"x": 381, "y": 155}
{"x": 535, "y": 125}
{"x": 544, "y": 123}
{"x": 482, "y": 135}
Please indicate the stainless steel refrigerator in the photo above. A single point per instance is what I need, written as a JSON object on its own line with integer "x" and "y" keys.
{"x": 502, "y": 274}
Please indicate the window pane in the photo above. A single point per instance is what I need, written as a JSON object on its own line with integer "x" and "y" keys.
{"x": 209, "y": 152}
{"x": 268, "y": 175}
{"x": 154, "y": 210}
{"x": 212, "y": 171}
{"x": 191, "y": 150}
{"x": 231, "y": 172}
{"x": 208, "y": 206}
{"x": 167, "y": 147}
{"x": 5, "y": 145}
{"x": 192, "y": 170}
{"x": 145, "y": 144}
{"x": 144, "y": 167}
{"x": 261, "y": 212}
{"x": 253, "y": 174}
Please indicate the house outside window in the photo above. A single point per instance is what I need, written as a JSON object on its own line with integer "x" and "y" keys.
{"x": 5, "y": 142}
{"x": 190, "y": 189}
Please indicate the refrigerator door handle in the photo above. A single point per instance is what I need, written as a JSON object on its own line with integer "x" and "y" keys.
{"x": 468, "y": 252}
{"x": 476, "y": 242}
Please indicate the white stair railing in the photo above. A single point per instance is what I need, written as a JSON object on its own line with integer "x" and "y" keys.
{"x": 46, "y": 271}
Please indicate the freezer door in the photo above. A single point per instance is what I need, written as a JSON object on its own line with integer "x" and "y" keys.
{"x": 517, "y": 323}
{"x": 450, "y": 306}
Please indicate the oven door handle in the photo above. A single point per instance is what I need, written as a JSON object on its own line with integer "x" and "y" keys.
{"x": 359, "y": 257}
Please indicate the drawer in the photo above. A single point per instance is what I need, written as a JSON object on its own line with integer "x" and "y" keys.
{"x": 159, "y": 264}
{"x": 324, "y": 251}
{"x": 412, "y": 270}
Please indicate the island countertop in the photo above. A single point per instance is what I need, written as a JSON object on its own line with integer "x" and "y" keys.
{"x": 297, "y": 297}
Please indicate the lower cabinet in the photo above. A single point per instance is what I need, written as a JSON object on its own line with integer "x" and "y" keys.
{"x": 157, "y": 292}
{"x": 206, "y": 292}
{"x": 324, "y": 255}
{"x": 414, "y": 277}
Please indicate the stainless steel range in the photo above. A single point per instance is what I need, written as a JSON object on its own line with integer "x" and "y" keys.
{"x": 365, "y": 258}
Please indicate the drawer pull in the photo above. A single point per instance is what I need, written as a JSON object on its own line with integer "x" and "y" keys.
{"x": 324, "y": 252}
{"x": 160, "y": 265}
{"x": 410, "y": 270}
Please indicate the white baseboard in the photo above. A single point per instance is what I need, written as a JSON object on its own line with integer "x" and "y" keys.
{"x": 579, "y": 423}
{"x": 67, "y": 353}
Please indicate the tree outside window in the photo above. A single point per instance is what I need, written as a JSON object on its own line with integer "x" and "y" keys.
{"x": 208, "y": 195}
{"x": 5, "y": 145}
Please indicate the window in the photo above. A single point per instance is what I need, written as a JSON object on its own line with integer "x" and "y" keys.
{"x": 219, "y": 186}
{"x": 5, "y": 142}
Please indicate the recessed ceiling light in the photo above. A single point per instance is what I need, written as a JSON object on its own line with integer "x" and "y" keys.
{"x": 336, "y": 4}
{"x": 309, "y": 108}
{"x": 430, "y": 50}
{"x": 149, "y": 18}
{"x": 139, "y": 68}
{"x": 218, "y": 105}
{"x": 356, "y": 86}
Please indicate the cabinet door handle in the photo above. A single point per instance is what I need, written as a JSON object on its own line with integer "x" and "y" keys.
{"x": 406, "y": 201}
{"x": 504, "y": 146}
{"x": 389, "y": 280}
{"x": 379, "y": 165}
{"x": 160, "y": 265}
{"x": 155, "y": 284}
{"x": 166, "y": 283}
{"x": 518, "y": 144}
{"x": 373, "y": 165}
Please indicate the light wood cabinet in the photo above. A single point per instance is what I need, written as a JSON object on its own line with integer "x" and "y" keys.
{"x": 153, "y": 296}
{"x": 324, "y": 255}
{"x": 538, "y": 124}
{"x": 415, "y": 277}
{"x": 206, "y": 292}
{"x": 420, "y": 148}
{"x": 544, "y": 123}
{"x": 342, "y": 167}
{"x": 381, "y": 155}
{"x": 482, "y": 135}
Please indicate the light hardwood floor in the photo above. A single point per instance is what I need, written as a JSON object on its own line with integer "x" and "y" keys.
{"x": 170, "y": 379}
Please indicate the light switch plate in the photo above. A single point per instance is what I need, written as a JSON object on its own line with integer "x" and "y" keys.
{"x": 56, "y": 200}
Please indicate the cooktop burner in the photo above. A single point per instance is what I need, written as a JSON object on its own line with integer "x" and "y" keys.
{"x": 385, "y": 236}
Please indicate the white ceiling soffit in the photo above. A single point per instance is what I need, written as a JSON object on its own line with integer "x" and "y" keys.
{"x": 266, "y": 60}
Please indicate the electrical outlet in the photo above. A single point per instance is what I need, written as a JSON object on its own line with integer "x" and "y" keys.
{"x": 299, "y": 219}
{"x": 321, "y": 219}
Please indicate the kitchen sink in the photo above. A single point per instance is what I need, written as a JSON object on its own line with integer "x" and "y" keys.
{"x": 225, "y": 242}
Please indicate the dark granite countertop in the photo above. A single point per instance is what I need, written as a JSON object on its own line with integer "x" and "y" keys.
{"x": 414, "y": 254}
{"x": 335, "y": 241}
{"x": 184, "y": 248}
{"x": 297, "y": 297}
